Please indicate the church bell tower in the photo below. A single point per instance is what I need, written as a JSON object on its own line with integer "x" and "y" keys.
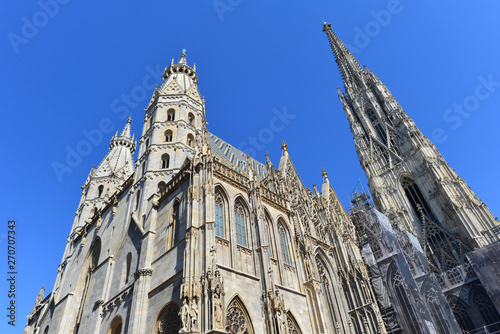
{"x": 408, "y": 177}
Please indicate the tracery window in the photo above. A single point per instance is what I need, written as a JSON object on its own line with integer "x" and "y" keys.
{"x": 237, "y": 318}
{"x": 487, "y": 310}
{"x": 416, "y": 198}
{"x": 436, "y": 312}
{"x": 219, "y": 215}
{"x": 327, "y": 289}
{"x": 376, "y": 124}
{"x": 293, "y": 326}
{"x": 165, "y": 161}
{"x": 168, "y": 136}
{"x": 398, "y": 282}
{"x": 240, "y": 224}
{"x": 285, "y": 248}
{"x": 168, "y": 321}
{"x": 171, "y": 115}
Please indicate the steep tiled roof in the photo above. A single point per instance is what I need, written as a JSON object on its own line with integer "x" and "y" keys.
{"x": 234, "y": 158}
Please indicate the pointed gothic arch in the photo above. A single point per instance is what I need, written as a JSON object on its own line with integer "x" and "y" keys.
{"x": 268, "y": 233}
{"x": 116, "y": 326}
{"x": 462, "y": 313}
{"x": 88, "y": 268}
{"x": 328, "y": 289}
{"x": 284, "y": 237}
{"x": 485, "y": 307}
{"x": 165, "y": 161}
{"x": 241, "y": 218}
{"x": 168, "y": 321}
{"x": 237, "y": 318}
{"x": 293, "y": 326}
{"x": 190, "y": 140}
{"x": 396, "y": 282}
{"x": 173, "y": 226}
{"x": 416, "y": 198}
{"x": 220, "y": 212}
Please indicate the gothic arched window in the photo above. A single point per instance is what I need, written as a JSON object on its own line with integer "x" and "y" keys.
{"x": 376, "y": 124}
{"x": 165, "y": 160}
{"x": 171, "y": 115}
{"x": 487, "y": 310}
{"x": 116, "y": 326}
{"x": 293, "y": 326}
{"x": 173, "y": 227}
{"x": 237, "y": 318}
{"x": 190, "y": 140}
{"x": 46, "y": 331}
{"x": 462, "y": 314}
{"x": 128, "y": 265}
{"x": 147, "y": 143}
{"x": 240, "y": 224}
{"x": 416, "y": 198}
{"x": 90, "y": 265}
{"x": 397, "y": 281}
{"x": 100, "y": 190}
{"x": 151, "y": 121}
{"x": 326, "y": 283}
{"x": 168, "y": 321}
{"x": 219, "y": 214}
{"x": 138, "y": 199}
{"x": 191, "y": 118}
{"x": 268, "y": 236}
{"x": 168, "y": 136}
{"x": 285, "y": 247}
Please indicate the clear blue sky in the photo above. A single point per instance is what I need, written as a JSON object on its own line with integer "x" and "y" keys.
{"x": 64, "y": 73}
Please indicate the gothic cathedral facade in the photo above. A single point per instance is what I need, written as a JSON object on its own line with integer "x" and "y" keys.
{"x": 195, "y": 236}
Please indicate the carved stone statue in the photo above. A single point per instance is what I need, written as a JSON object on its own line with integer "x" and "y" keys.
{"x": 194, "y": 315}
{"x": 184, "y": 314}
{"x": 217, "y": 308}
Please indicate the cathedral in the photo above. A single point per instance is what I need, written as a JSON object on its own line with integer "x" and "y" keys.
{"x": 195, "y": 236}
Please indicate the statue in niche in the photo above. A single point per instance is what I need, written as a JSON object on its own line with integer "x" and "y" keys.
{"x": 217, "y": 308}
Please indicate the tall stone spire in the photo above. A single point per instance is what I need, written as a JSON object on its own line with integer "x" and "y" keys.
{"x": 409, "y": 179}
{"x": 349, "y": 67}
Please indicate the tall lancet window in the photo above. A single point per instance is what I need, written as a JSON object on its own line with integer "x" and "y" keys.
{"x": 90, "y": 265}
{"x": 219, "y": 215}
{"x": 376, "y": 124}
{"x": 240, "y": 224}
{"x": 285, "y": 247}
{"x": 416, "y": 198}
{"x": 325, "y": 279}
{"x": 268, "y": 236}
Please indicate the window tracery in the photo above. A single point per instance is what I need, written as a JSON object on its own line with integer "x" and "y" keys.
{"x": 237, "y": 318}
{"x": 219, "y": 214}
{"x": 169, "y": 321}
{"x": 285, "y": 248}
{"x": 240, "y": 224}
{"x": 293, "y": 326}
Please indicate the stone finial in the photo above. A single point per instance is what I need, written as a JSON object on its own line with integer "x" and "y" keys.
{"x": 284, "y": 146}
{"x": 325, "y": 174}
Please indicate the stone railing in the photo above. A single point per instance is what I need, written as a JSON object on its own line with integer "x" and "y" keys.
{"x": 231, "y": 176}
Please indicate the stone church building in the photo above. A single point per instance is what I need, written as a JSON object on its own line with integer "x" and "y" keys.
{"x": 195, "y": 236}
